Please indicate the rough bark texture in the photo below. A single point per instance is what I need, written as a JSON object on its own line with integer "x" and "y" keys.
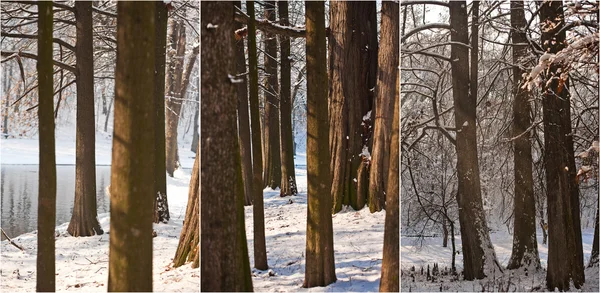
{"x": 224, "y": 258}
{"x": 288, "y": 174}
{"x": 478, "y": 253}
{"x": 84, "y": 221}
{"x": 565, "y": 252}
{"x": 385, "y": 91}
{"x": 594, "y": 254}
{"x": 45, "y": 267}
{"x": 189, "y": 239}
{"x": 524, "y": 252}
{"x": 320, "y": 264}
{"x": 132, "y": 174}
{"x": 352, "y": 68}
{"x": 272, "y": 157}
{"x": 161, "y": 205}
{"x": 260, "y": 251}
{"x": 244, "y": 117}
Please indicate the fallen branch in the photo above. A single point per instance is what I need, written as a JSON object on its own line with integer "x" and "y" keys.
{"x": 11, "y": 241}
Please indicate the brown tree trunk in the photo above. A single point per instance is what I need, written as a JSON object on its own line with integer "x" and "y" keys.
{"x": 161, "y": 204}
{"x": 320, "y": 264}
{"x": 45, "y": 266}
{"x": 132, "y": 174}
{"x": 524, "y": 252}
{"x": 565, "y": 252}
{"x": 478, "y": 253}
{"x": 386, "y": 78}
{"x": 244, "y": 117}
{"x": 288, "y": 174}
{"x": 260, "y": 251}
{"x": 225, "y": 265}
{"x": 84, "y": 221}
{"x": 390, "y": 266}
{"x": 352, "y": 68}
{"x": 189, "y": 239}
{"x": 272, "y": 134}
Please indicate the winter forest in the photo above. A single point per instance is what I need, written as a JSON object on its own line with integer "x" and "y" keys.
{"x": 499, "y": 145}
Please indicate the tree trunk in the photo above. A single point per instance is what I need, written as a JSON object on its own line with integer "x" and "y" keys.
{"x": 260, "y": 251}
{"x": 478, "y": 253}
{"x": 288, "y": 174}
{"x": 161, "y": 205}
{"x": 594, "y": 256}
{"x": 244, "y": 117}
{"x": 352, "y": 68}
{"x": 320, "y": 264}
{"x": 524, "y": 252}
{"x": 272, "y": 133}
{"x": 386, "y": 77}
{"x": 390, "y": 266}
{"x": 189, "y": 239}
{"x": 225, "y": 265}
{"x": 133, "y": 162}
{"x": 45, "y": 266}
{"x": 196, "y": 136}
{"x": 108, "y": 114}
{"x": 565, "y": 252}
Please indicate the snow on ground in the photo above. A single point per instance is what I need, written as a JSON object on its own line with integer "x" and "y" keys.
{"x": 82, "y": 263}
{"x": 420, "y": 252}
{"x": 358, "y": 243}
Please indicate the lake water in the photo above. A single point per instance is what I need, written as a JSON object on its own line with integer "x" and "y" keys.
{"x": 19, "y": 191}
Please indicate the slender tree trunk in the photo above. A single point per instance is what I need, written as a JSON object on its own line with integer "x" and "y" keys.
{"x": 320, "y": 263}
{"x": 45, "y": 278}
{"x": 108, "y": 114}
{"x": 272, "y": 133}
{"x": 133, "y": 162}
{"x": 260, "y": 251}
{"x": 594, "y": 256}
{"x": 196, "y": 136}
{"x": 390, "y": 266}
{"x": 565, "y": 252}
{"x": 353, "y": 53}
{"x": 225, "y": 265}
{"x": 478, "y": 253}
{"x": 189, "y": 240}
{"x": 244, "y": 117}
{"x": 288, "y": 174}
{"x": 386, "y": 77}
{"x": 524, "y": 252}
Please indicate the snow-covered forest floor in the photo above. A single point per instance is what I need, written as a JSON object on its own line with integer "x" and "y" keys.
{"x": 421, "y": 252}
{"x": 358, "y": 243}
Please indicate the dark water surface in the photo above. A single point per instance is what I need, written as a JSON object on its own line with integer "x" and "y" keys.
{"x": 19, "y": 191}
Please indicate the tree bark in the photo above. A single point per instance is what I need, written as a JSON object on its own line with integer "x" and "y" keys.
{"x": 260, "y": 250}
{"x": 524, "y": 252}
{"x": 272, "y": 160}
{"x": 320, "y": 264}
{"x": 288, "y": 174}
{"x": 189, "y": 239}
{"x": 225, "y": 265}
{"x": 244, "y": 117}
{"x": 565, "y": 252}
{"x": 478, "y": 253}
{"x": 45, "y": 266}
{"x": 84, "y": 221}
{"x": 384, "y": 111}
{"x": 390, "y": 266}
{"x": 132, "y": 174}
{"x": 352, "y": 67}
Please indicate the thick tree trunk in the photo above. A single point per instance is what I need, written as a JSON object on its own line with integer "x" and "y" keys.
{"x": 161, "y": 205}
{"x": 288, "y": 174}
{"x": 385, "y": 91}
{"x": 565, "y": 252}
{"x": 225, "y": 264}
{"x": 320, "y": 264}
{"x": 524, "y": 252}
{"x": 260, "y": 251}
{"x": 45, "y": 267}
{"x": 272, "y": 133}
{"x": 478, "y": 253}
{"x": 132, "y": 174}
{"x": 594, "y": 256}
{"x": 189, "y": 239}
{"x": 390, "y": 266}
{"x": 352, "y": 68}
{"x": 244, "y": 117}
{"x": 84, "y": 221}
